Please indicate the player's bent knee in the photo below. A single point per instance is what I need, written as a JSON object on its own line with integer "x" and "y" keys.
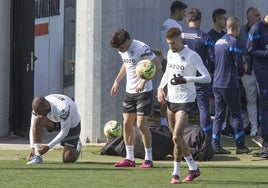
{"x": 69, "y": 155}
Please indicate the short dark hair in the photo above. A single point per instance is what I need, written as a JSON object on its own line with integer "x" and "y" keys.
{"x": 232, "y": 22}
{"x": 173, "y": 32}
{"x": 251, "y": 9}
{"x": 193, "y": 15}
{"x": 118, "y": 38}
{"x": 218, "y": 12}
{"x": 177, "y": 5}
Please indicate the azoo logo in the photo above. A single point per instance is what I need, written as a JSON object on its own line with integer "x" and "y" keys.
{"x": 173, "y": 66}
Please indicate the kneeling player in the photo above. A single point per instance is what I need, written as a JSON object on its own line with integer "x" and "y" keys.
{"x": 54, "y": 112}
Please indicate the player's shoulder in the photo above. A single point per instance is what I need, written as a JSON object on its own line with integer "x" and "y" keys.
{"x": 211, "y": 32}
{"x": 169, "y": 23}
{"x": 189, "y": 52}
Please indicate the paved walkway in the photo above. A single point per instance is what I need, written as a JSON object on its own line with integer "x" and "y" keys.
{"x": 13, "y": 142}
{"x": 18, "y": 142}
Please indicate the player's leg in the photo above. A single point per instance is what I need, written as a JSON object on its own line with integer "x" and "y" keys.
{"x": 202, "y": 98}
{"x": 128, "y": 122}
{"x": 250, "y": 86}
{"x": 144, "y": 106}
{"x": 232, "y": 98}
{"x": 129, "y": 117}
{"x": 72, "y": 145}
{"x": 220, "y": 113}
{"x": 179, "y": 112}
{"x": 176, "y": 164}
{"x": 182, "y": 117}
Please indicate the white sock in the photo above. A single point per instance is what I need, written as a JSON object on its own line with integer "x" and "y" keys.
{"x": 177, "y": 167}
{"x": 79, "y": 147}
{"x": 148, "y": 154}
{"x": 130, "y": 152}
{"x": 36, "y": 148}
{"x": 190, "y": 162}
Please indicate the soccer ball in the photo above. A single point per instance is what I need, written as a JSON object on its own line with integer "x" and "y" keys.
{"x": 145, "y": 69}
{"x": 112, "y": 129}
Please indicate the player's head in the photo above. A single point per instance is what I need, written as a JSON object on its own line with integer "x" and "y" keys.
{"x": 120, "y": 39}
{"x": 40, "y": 106}
{"x": 174, "y": 40}
{"x": 219, "y": 17}
{"x": 233, "y": 26}
{"x": 177, "y": 10}
{"x": 253, "y": 15}
{"x": 194, "y": 15}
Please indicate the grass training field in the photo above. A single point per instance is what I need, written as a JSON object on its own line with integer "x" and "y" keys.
{"x": 97, "y": 171}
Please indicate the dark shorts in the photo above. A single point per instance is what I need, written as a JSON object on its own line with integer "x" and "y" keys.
{"x": 175, "y": 107}
{"x": 140, "y": 103}
{"x": 72, "y": 138}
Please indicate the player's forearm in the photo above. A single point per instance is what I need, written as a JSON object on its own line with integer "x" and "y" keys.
{"x": 31, "y": 132}
{"x": 121, "y": 74}
{"x": 57, "y": 139}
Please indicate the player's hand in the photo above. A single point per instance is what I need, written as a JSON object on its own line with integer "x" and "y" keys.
{"x": 31, "y": 154}
{"x": 161, "y": 96}
{"x": 114, "y": 89}
{"x": 140, "y": 86}
{"x": 177, "y": 80}
{"x": 43, "y": 149}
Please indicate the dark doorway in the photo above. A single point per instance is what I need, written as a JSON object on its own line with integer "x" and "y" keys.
{"x": 22, "y": 65}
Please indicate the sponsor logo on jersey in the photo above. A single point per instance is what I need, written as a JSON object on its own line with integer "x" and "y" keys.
{"x": 175, "y": 66}
{"x": 128, "y": 60}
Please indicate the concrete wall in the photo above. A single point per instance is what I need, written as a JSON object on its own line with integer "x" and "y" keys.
{"x": 97, "y": 64}
{"x": 4, "y": 65}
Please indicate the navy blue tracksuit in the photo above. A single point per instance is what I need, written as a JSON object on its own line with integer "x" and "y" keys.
{"x": 228, "y": 65}
{"x": 200, "y": 42}
{"x": 257, "y": 47}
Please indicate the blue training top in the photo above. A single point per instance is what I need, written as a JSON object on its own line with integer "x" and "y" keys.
{"x": 228, "y": 62}
{"x": 257, "y": 46}
{"x": 200, "y": 42}
{"x": 214, "y": 35}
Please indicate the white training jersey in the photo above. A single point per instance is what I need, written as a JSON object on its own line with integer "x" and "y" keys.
{"x": 136, "y": 52}
{"x": 63, "y": 110}
{"x": 186, "y": 63}
{"x": 169, "y": 23}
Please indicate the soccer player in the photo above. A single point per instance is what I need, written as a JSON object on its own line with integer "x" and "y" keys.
{"x": 257, "y": 47}
{"x": 228, "y": 66}
{"x": 177, "y": 13}
{"x": 248, "y": 80}
{"x": 138, "y": 98}
{"x": 219, "y": 17}
{"x": 200, "y": 42}
{"x": 180, "y": 78}
{"x": 54, "y": 112}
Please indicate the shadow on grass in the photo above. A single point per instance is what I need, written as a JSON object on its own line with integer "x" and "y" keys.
{"x": 224, "y": 158}
{"x": 233, "y": 182}
{"x": 215, "y": 158}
